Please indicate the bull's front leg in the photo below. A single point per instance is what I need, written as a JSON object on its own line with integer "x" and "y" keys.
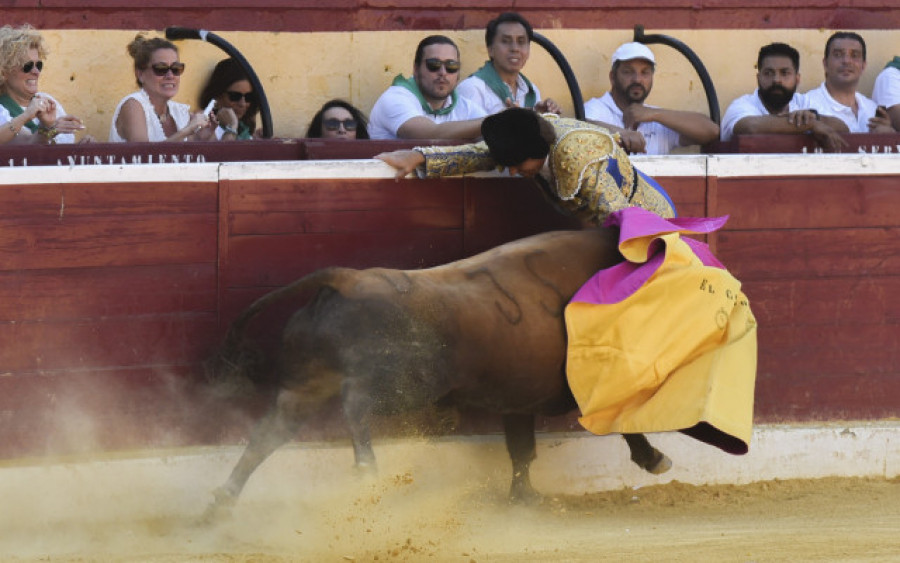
{"x": 646, "y": 456}
{"x": 520, "y": 443}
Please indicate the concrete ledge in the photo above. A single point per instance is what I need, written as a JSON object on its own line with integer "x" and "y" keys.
{"x": 153, "y": 483}
{"x": 851, "y": 449}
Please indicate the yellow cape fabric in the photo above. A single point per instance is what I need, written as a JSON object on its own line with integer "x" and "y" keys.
{"x": 677, "y": 353}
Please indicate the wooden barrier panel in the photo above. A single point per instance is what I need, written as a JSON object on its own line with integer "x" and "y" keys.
{"x": 107, "y": 287}
{"x": 869, "y": 143}
{"x": 815, "y": 244}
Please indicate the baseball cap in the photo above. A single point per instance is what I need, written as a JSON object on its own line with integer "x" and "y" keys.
{"x": 629, "y": 51}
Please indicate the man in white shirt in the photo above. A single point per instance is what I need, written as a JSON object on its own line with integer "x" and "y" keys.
{"x": 500, "y": 84}
{"x": 427, "y": 106}
{"x": 776, "y": 107}
{"x": 886, "y": 92}
{"x": 844, "y": 62}
{"x": 622, "y": 108}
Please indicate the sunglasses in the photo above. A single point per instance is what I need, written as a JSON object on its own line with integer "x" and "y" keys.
{"x": 233, "y": 96}
{"x": 27, "y": 67}
{"x": 334, "y": 124}
{"x": 162, "y": 69}
{"x": 434, "y": 65}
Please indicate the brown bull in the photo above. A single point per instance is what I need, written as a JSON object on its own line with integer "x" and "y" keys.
{"x": 486, "y": 332}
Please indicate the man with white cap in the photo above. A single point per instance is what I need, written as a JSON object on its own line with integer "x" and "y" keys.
{"x": 644, "y": 128}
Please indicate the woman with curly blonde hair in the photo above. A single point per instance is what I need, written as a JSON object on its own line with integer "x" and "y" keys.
{"x": 28, "y": 115}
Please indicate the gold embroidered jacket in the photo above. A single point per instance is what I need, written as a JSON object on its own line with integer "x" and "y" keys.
{"x": 589, "y": 172}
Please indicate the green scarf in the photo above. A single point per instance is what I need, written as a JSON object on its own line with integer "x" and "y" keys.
{"x": 895, "y": 62}
{"x": 410, "y": 84}
{"x": 15, "y": 110}
{"x": 243, "y": 131}
{"x": 489, "y": 74}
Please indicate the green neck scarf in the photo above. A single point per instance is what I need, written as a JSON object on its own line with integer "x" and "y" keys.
{"x": 243, "y": 131}
{"x": 410, "y": 84}
{"x": 489, "y": 74}
{"x": 895, "y": 62}
{"x": 15, "y": 110}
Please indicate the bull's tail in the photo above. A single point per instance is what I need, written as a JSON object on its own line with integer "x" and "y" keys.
{"x": 231, "y": 370}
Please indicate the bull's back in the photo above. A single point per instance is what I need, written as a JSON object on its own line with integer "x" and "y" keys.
{"x": 501, "y": 313}
{"x": 487, "y": 330}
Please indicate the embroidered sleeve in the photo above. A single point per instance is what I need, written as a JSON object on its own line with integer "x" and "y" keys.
{"x": 455, "y": 161}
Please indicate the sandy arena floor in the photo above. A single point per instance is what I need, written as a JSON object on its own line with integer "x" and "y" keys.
{"x": 146, "y": 509}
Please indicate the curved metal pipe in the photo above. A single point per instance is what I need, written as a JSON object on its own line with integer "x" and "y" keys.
{"x": 177, "y": 33}
{"x": 711, "y": 98}
{"x": 571, "y": 82}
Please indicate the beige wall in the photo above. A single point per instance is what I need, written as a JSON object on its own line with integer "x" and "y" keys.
{"x": 89, "y": 71}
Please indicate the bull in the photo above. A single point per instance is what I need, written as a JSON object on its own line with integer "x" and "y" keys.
{"x": 486, "y": 332}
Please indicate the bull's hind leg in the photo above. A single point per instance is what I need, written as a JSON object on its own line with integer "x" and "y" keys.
{"x": 520, "y": 443}
{"x": 358, "y": 404}
{"x": 646, "y": 456}
{"x": 280, "y": 424}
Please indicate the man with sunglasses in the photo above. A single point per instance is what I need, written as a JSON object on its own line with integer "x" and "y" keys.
{"x": 427, "y": 106}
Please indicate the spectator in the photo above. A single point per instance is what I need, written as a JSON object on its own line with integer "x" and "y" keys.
{"x": 775, "y": 107}
{"x": 28, "y": 115}
{"x": 150, "y": 114}
{"x": 500, "y": 83}
{"x": 886, "y": 92}
{"x": 427, "y": 105}
{"x": 844, "y": 62}
{"x": 236, "y": 102}
{"x": 622, "y": 108}
{"x": 337, "y": 119}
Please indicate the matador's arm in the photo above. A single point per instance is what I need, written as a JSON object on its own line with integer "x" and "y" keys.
{"x": 456, "y": 160}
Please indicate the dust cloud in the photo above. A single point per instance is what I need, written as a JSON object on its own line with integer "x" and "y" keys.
{"x": 432, "y": 501}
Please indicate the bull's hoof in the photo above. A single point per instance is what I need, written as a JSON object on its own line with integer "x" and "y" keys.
{"x": 659, "y": 465}
{"x": 366, "y": 470}
{"x": 219, "y": 509}
{"x": 524, "y": 495}
{"x": 531, "y": 498}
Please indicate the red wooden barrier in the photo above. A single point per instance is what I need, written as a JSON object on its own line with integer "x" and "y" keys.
{"x": 359, "y": 15}
{"x": 116, "y": 282}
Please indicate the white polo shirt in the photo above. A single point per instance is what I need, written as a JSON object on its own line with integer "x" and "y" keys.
{"x": 479, "y": 93}
{"x": 750, "y": 105}
{"x": 658, "y": 138}
{"x": 821, "y": 101}
{"x": 886, "y": 91}
{"x": 397, "y": 105}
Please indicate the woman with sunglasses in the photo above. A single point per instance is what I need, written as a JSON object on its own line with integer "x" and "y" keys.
{"x": 236, "y": 103}
{"x": 26, "y": 114}
{"x": 150, "y": 114}
{"x": 338, "y": 119}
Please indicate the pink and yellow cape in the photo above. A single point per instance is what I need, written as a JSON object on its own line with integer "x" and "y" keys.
{"x": 665, "y": 340}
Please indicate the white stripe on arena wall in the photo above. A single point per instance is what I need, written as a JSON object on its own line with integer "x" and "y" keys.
{"x": 723, "y": 166}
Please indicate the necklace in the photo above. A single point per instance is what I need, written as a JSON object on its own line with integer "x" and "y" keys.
{"x": 163, "y": 117}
